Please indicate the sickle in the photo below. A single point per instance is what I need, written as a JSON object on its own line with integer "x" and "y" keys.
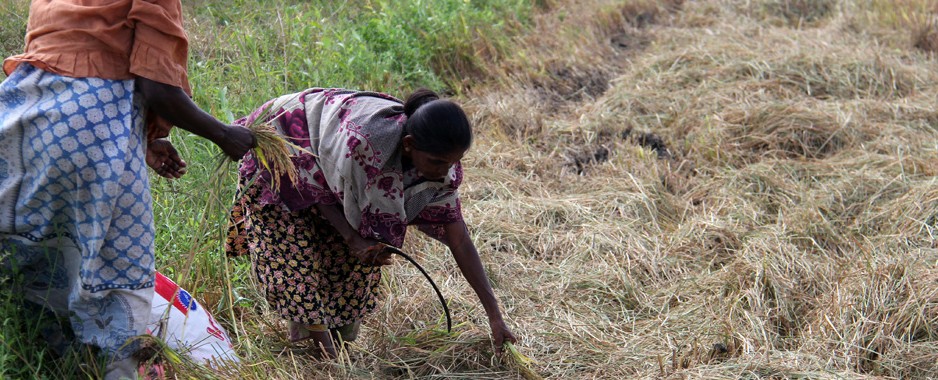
{"x": 449, "y": 323}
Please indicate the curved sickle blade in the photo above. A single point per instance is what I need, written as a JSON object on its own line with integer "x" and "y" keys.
{"x": 449, "y": 322}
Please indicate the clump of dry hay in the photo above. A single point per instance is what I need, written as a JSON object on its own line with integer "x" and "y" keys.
{"x": 925, "y": 36}
{"x": 797, "y": 12}
{"x": 873, "y": 323}
{"x": 902, "y": 24}
{"x": 782, "y": 131}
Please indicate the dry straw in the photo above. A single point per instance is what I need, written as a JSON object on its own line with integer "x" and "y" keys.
{"x": 809, "y": 155}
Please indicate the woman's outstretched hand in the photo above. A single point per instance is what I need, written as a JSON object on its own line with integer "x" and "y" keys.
{"x": 369, "y": 251}
{"x": 501, "y": 334}
{"x": 236, "y": 141}
{"x": 163, "y": 158}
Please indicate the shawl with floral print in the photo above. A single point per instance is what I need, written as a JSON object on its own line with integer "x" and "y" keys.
{"x": 352, "y": 157}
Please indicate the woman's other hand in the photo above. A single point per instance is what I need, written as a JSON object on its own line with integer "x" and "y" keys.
{"x": 369, "y": 251}
{"x": 163, "y": 158}
{"x": 501, "y": 334}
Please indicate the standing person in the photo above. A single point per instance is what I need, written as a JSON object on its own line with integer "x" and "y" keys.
{"x": 83, "y": 108}
{"x": 371, "y": 166}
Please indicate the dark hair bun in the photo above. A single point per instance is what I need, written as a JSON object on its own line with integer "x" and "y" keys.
{"x": 418, "y": 98}
{"x": 438, "y": 126}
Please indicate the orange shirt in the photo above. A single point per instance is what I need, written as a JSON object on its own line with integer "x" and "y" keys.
{"x": 110, "y": 39}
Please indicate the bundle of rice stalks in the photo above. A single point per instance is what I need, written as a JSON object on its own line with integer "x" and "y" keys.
{"x": 521, "y": 362}
{"x": 273, "y": 151}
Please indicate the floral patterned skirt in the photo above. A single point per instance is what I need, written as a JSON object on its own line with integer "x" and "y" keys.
{"x": 301, "y": 261}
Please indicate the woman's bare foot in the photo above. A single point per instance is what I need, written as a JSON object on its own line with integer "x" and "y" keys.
{"x": 322, "y": 346}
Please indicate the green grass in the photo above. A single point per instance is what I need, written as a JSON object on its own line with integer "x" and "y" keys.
{"x": 13, "y": 26}
{"x": 255, "y": 50}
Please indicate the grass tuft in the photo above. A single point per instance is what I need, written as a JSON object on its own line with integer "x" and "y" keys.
{"x": 522, "y": 362}
{"x": 800, "y": 12}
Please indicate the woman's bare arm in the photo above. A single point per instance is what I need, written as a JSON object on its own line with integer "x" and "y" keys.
{"x": 467, "y": 258}
{"x": 172, "y": 104}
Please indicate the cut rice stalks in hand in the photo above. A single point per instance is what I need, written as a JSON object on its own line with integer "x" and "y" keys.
{"x": 521, "y": 361}
{"x": 272, "y": 150}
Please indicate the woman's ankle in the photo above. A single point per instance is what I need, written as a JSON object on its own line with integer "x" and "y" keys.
{"x": 323, "y": 347}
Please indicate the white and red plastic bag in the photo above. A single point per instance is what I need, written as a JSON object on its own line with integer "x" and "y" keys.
{"x": 187, "y": 327}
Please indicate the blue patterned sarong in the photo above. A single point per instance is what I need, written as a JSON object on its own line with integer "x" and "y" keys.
{"x": 76, "y": 220}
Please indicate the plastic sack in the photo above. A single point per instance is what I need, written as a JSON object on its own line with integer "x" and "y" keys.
{"x": 187, "y": 327}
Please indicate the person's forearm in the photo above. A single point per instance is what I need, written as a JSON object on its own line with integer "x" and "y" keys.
{"x": 472, "y": 270}
{"x": 467, "y": 258}
{"x": 173, "y": 105}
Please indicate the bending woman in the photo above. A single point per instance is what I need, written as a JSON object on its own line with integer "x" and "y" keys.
{"x": 84, "y": 108}
{"x": 371, "y": 166}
